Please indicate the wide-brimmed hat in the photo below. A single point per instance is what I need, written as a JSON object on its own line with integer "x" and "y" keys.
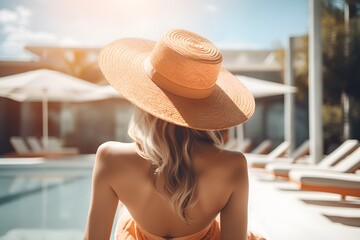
{"x": 178, "y": 79}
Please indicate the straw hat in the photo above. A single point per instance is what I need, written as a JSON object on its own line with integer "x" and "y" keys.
{"x": 178, "y": 79}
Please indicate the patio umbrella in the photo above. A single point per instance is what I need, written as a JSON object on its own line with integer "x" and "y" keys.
{"x": 100, "y": 93}
{"x": 261, "y": 88}
{"x": 43, "y": 85}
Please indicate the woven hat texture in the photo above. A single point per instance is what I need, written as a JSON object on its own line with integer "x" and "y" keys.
{"x": 178, "y": 79}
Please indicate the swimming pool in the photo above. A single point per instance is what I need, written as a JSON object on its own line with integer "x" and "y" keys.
{"x": 44, "y": 198}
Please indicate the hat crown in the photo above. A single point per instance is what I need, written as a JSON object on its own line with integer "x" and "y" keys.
{"x": 193, "y": 46}
{"x": 185, "y": 60}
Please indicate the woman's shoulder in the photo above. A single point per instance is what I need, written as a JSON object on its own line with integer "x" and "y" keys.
{"x": 228, "y": 157}
{"x": 235, "y": 163}
{"x": 114, "y": 149}
{"x": 235, "y": 159}
{"x": 229, "y": 161}
{"x": 116, "y": 156}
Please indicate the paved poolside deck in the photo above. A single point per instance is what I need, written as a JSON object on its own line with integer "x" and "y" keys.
{"x": 279, "y": 211}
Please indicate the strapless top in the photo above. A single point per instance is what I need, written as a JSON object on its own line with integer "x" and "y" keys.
{"x": 129, "y": 230}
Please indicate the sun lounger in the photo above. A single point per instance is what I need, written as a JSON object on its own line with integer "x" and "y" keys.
{"x": 299, "y": 153}
{"x": 34, "y": 144}
{"x": 279, "y": 169}
{"x": 19, "y": 145}
{"x": 55, "y": 145}
{"x": 259, "y": 161}
{"x": 345, "y": 184}
{"x": 21, "y": 148}
{"x": 37, "y": 150}
{"x": 263, "y": 147}
{"x": 347, "y": 165}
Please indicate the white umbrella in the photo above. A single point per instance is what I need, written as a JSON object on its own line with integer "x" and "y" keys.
{"x": 261, "y": 88}
{"x": 43, "y": 85}
{"x": 100, "y": 93}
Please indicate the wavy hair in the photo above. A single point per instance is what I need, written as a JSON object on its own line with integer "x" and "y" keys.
{"x": 169, "y": 148}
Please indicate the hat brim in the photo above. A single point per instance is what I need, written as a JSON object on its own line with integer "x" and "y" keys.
{"x": 122, "y": 63}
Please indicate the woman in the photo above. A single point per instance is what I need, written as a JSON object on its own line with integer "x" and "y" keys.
{"x": 175, "y": 179}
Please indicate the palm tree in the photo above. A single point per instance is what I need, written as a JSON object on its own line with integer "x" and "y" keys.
{"x": 78, "y": 62}
{"x": 82, "y": 63}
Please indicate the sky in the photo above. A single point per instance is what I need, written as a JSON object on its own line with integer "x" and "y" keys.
{"x": 230, "y": 24}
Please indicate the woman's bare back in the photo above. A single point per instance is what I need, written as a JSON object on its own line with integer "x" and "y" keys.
{"x": 222, "y": 187}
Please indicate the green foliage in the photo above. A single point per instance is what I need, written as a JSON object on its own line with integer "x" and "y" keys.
{"x": 341, "y": 66}
{"x": 332, "y": 120}
{"x": 341, "y": 52}
{"x": 341, "y": 63}
{"x": 301, "y": 67}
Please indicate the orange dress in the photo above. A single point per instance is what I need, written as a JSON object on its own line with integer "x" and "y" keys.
{"x": 129, "y": 230}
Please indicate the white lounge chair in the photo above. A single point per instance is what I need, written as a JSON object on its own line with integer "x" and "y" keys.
{"x": 299, "y": 153}
{"x": 280, "y": 169}
{"x": 263, "y": 147}
{"x": 345, "y": 184}
{"x": 55, "y": 145}
{"x": 19, "y": 145}
{"x": 259, "y": 161}
{"x": 36, "y": 149}
{"x": 35, "y": 144}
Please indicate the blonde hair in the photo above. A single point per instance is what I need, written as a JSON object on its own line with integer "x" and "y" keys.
{"x": 169, "y": 147}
